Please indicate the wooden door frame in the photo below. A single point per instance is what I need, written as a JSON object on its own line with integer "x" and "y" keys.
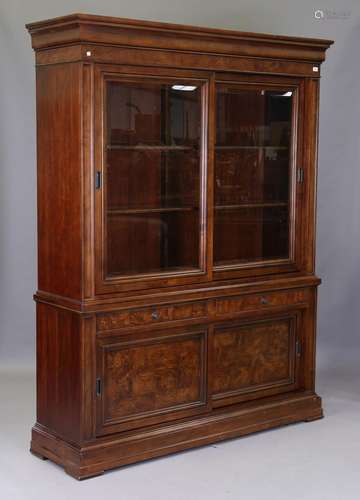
{"x": 296, "y": 217}
{"x": 104, "y": 73}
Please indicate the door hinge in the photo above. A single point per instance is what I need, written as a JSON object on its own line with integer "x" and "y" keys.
{"x": 300, "y": 175}
{"x": 98, "y": 386}
{"x": 298, "y": 347}
{"x": 97, "y": 179}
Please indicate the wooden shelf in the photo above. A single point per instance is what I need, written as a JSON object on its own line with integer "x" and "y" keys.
{"x": 230, "y": 148}
{"x": 147, "y": 147}
{"x": 252, "y": 205}
{"x": 135, "y": 211}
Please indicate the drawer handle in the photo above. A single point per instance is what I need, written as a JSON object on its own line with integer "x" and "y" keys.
{"x": 264, "y": 300}
{"x": 155, "y": 315}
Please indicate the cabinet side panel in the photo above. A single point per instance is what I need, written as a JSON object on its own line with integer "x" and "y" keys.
{"x": 59, "y": 178}
{"x": 310, "y": 168}
{"x": 58, "y": 371}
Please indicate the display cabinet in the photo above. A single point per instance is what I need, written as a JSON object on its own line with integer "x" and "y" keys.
{"x": 176, "y": 301}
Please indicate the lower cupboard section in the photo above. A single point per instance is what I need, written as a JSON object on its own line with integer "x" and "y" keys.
{"x": 147, "y": 378}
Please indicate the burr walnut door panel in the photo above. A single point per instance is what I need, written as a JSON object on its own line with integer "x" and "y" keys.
{"x": 150, "y": 377}
{"x": 255, "y": 359}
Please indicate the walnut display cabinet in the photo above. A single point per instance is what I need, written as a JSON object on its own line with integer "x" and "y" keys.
{"x": 176, "y": 301}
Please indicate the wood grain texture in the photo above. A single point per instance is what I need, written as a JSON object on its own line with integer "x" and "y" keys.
{"x": 59, "y": 179}
{"x": 112, "y": 301}
{"x": 154, "y": 315}
{"x": 311, "y": 104}
{"x": 189, "y": 61}
{"x": 257, "y": 302}
{"x": 88, "y": 181}
{"x": 87, "y": 28}
{"x": 168, "y": 373}
{"x": 253, "y": 356}
{"x": 113, "y": 451}
{"x": 58, "y": 371}
{"x": 151, "y": 378}
{"x": 136, "y": 366}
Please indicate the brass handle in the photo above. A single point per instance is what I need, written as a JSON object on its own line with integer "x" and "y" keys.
{"x": 155, "y": 315}
{"x": 264, "y": 300}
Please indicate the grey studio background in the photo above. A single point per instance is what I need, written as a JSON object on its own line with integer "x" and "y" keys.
{"x": 338, "y": 228}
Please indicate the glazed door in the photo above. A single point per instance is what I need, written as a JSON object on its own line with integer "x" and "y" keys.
{"x": 151, "y": 180}
{"x": 256, "y": 153}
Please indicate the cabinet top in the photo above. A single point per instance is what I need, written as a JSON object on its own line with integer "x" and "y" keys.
{"x": 91, "y": 29}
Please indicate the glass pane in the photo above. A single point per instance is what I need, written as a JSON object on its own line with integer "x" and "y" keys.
{"x": 251, "y": 234}
{"x": 152, "y": 177}
{"x": 252, "y": 175}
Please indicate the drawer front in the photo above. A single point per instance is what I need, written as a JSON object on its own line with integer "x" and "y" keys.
{"x": 146, "y": 378}
{"x": 151, "y": 315}
{"x": 257, "y": 302}
{"x": 254, "y": 359}
{"x": 205, "y": 310}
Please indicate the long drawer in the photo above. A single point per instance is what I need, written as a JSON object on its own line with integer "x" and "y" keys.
{"x": 202, "y": 310}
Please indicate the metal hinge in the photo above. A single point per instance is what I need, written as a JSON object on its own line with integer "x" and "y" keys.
{"x": 298, "y": 347}
{"x": 98, "y": 386}
{"x": 300, "y": 175}
{"x": 97, "y": 179}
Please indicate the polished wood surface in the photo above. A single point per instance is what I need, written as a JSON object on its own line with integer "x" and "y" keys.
{"x": 85, "y": 28}
{"x": 151, "y": 316}
{"x": 176, "y": 301}
{"x": 158, "y": 240}
{"x": 59, "y": 180}
{"x": 253, "y": 357}
{"x": 126, "y": 448}
{"x": 58, "y": 371}
{"x": 151, "y": 377}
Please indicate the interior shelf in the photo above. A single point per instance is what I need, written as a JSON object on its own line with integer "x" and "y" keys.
{"x": 125, "y": 211}
{"x": 251, "y": 205}
{"x": 149, "y": 147}
{"x": 230, "y": 148}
